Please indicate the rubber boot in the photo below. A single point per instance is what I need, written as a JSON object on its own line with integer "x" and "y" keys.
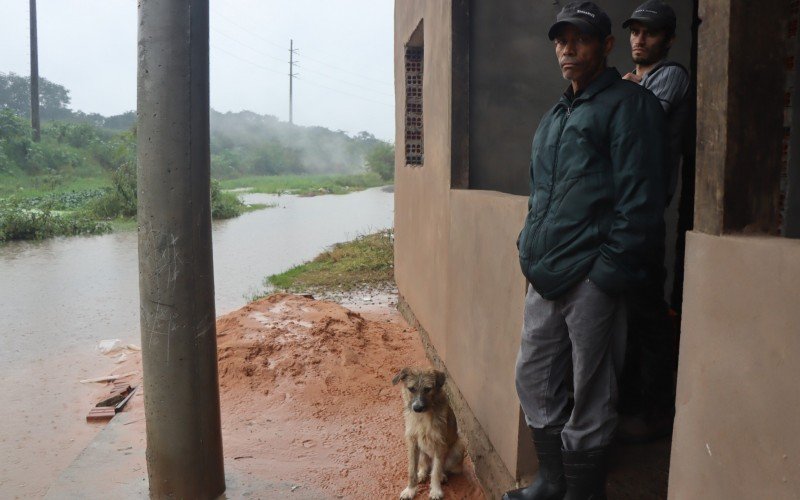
{"x": 585, "y": 473}
{"x": 549, "y": 482}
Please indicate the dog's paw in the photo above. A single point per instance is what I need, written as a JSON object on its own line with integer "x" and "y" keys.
{"x": 436, "y": 493}
{"x": 422, "y": 475}
{"x": 408, "y": 493}
{"x": 443, "y": 478}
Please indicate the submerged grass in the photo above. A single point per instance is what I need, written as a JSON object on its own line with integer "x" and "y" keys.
{"x": 368, "y": 259}
{"x": 305, "y": 185}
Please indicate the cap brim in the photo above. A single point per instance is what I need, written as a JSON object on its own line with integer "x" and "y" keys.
{"x": 582, "y": 25}
{"x": 647, "y": 21}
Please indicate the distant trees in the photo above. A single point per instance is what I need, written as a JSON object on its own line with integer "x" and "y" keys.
{"x": 15, "y": 94}
{"x": 380, "y": 160}
{"x": 242, "y": 143}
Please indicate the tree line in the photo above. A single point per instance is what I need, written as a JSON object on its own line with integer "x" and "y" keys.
{"x": 242, "y": 143}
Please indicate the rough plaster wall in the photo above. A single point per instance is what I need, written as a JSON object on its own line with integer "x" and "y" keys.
{"x": 422, "y": 193}
{"x": 486, "y": 301}
{"x": 737, "y": 431}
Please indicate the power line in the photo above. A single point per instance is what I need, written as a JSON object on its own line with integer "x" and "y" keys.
{"x": 246, "y": 45}
{"x": 348, "y": 71}
{"x": 325, "y": 75}
{"x": 246, "y": 60}
{"x": 345, "y": 81}
{"x": 298, "y": 78}
{"x": 248, "y": 31}
{"x": 318, "y": 61}
{"x": 344, "y": 93}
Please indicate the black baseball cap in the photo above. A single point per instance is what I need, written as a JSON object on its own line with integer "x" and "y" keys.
{"x": 586, "y": 16}
{"x": 654, "y": 14}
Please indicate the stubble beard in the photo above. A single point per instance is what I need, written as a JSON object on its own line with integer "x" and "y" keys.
{"x": 652, "y": 56}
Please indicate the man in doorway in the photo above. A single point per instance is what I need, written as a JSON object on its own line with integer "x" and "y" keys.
{"x": 594, "y": 210}
{"x": 647, "y": 390}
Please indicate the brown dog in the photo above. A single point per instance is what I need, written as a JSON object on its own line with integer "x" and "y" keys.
{"x": 434, "y": 446}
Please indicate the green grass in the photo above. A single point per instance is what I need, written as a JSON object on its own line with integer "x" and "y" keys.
{"x": 368, "y": 259}
{"x": 35, "y": 186}
{"x": 307, "y": 185}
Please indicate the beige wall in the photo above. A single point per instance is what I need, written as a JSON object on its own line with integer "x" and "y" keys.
{"x": 737, "y": 427}
{"x": 455, "y": 259}
{"x": 487, "y": 293}
{"x": 421, "y": 193}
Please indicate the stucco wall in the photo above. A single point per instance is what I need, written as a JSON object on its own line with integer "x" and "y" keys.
{"x": 422, "y": 193}
{"x": 486, "y": 293}
{"x": 737, "y": 427}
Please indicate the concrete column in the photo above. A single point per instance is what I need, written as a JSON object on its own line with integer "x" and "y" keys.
{"x": 181, "y": 391}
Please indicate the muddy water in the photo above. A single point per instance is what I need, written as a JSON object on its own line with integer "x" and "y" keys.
{"x": 59, "y": 297}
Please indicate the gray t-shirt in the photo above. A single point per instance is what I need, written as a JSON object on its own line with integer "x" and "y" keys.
{"x": 669, "y": 82}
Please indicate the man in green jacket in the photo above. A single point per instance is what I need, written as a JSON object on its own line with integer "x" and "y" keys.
{"x": 595, "y": 210}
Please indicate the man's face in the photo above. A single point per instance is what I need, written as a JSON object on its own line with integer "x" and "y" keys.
{"x": 580, "y": 56}
{"x": 648, "y": 46}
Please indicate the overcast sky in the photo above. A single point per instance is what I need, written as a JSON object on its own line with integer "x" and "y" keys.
{"x": 344, "y": 52}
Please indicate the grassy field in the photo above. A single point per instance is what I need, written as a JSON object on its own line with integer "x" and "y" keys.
{"x": 27, "y": 186}
{"x": 368, "y": 259}
{"x": 305, "y": 185}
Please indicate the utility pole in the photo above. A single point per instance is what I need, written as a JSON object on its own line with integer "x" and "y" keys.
{"x": 292, "y": 76}
{"x": 176, "y": 272}
{"x": 34, "y": 75}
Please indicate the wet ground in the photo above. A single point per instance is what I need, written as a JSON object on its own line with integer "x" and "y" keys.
{"x": 308, "y": 408}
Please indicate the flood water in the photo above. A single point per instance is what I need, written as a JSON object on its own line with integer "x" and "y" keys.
{"x": 60, "y": 297}
{"x": 71, "y": 292}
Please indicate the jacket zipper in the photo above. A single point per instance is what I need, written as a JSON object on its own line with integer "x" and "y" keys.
{"x": 553, "y": 176}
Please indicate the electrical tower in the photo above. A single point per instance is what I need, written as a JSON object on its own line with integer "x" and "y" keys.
{"x": 34, "y": 75}
{"x": 292, "y": 76}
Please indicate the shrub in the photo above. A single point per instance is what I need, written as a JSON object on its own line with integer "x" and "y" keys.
{"x": 120, "y": 200}
{"x": 224, "y": 205}
{"x": 380, "y": 160}
{"x": 17, "y": 223}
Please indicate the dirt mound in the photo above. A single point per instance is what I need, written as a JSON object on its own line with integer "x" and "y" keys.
{"x": 307, "y": 397}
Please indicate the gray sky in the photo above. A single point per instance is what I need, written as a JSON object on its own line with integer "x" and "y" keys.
{"x": 344, "y": 52}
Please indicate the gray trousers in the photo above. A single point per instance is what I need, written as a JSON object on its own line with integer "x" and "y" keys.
{"x": 586, "y": 327}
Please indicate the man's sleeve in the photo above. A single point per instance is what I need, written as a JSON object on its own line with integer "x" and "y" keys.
{"x": 669, "y": 84}
{"x": 638, "y": 146}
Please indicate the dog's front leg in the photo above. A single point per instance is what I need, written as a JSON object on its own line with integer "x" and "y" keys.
{"x": 413, "y": 460}
{"x": 436, "y": 475}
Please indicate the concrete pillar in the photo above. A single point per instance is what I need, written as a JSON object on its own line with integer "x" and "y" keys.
{"x": 181, "y": 391}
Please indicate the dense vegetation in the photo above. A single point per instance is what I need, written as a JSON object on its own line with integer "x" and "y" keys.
{"x": 83, "y": 171}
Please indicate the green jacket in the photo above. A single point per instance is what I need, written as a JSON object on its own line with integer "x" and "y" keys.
{"x": 597, "y": 189}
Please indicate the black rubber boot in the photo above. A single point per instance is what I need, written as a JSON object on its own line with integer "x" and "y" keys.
{"x": 585, "y": 473}
{"x": 549, "y": 483}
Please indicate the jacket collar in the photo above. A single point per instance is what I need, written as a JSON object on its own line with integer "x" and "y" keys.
{"x": 602, "y": 82}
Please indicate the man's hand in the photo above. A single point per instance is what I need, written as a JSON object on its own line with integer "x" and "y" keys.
{"x": 633, "y": 77}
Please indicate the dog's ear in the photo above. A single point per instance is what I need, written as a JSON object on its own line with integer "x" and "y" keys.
{"x": 401, "y": 375}
{"x": 440, "y": 378}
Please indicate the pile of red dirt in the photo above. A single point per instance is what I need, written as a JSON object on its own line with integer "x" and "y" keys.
{"x": 307, "y": 399}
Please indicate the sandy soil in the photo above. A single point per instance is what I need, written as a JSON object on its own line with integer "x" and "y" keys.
{"x": 306, "y": 395}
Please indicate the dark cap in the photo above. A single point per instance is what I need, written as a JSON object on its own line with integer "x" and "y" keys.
{"x": 653, "y": 14}
{"x": 586, "y": 16}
